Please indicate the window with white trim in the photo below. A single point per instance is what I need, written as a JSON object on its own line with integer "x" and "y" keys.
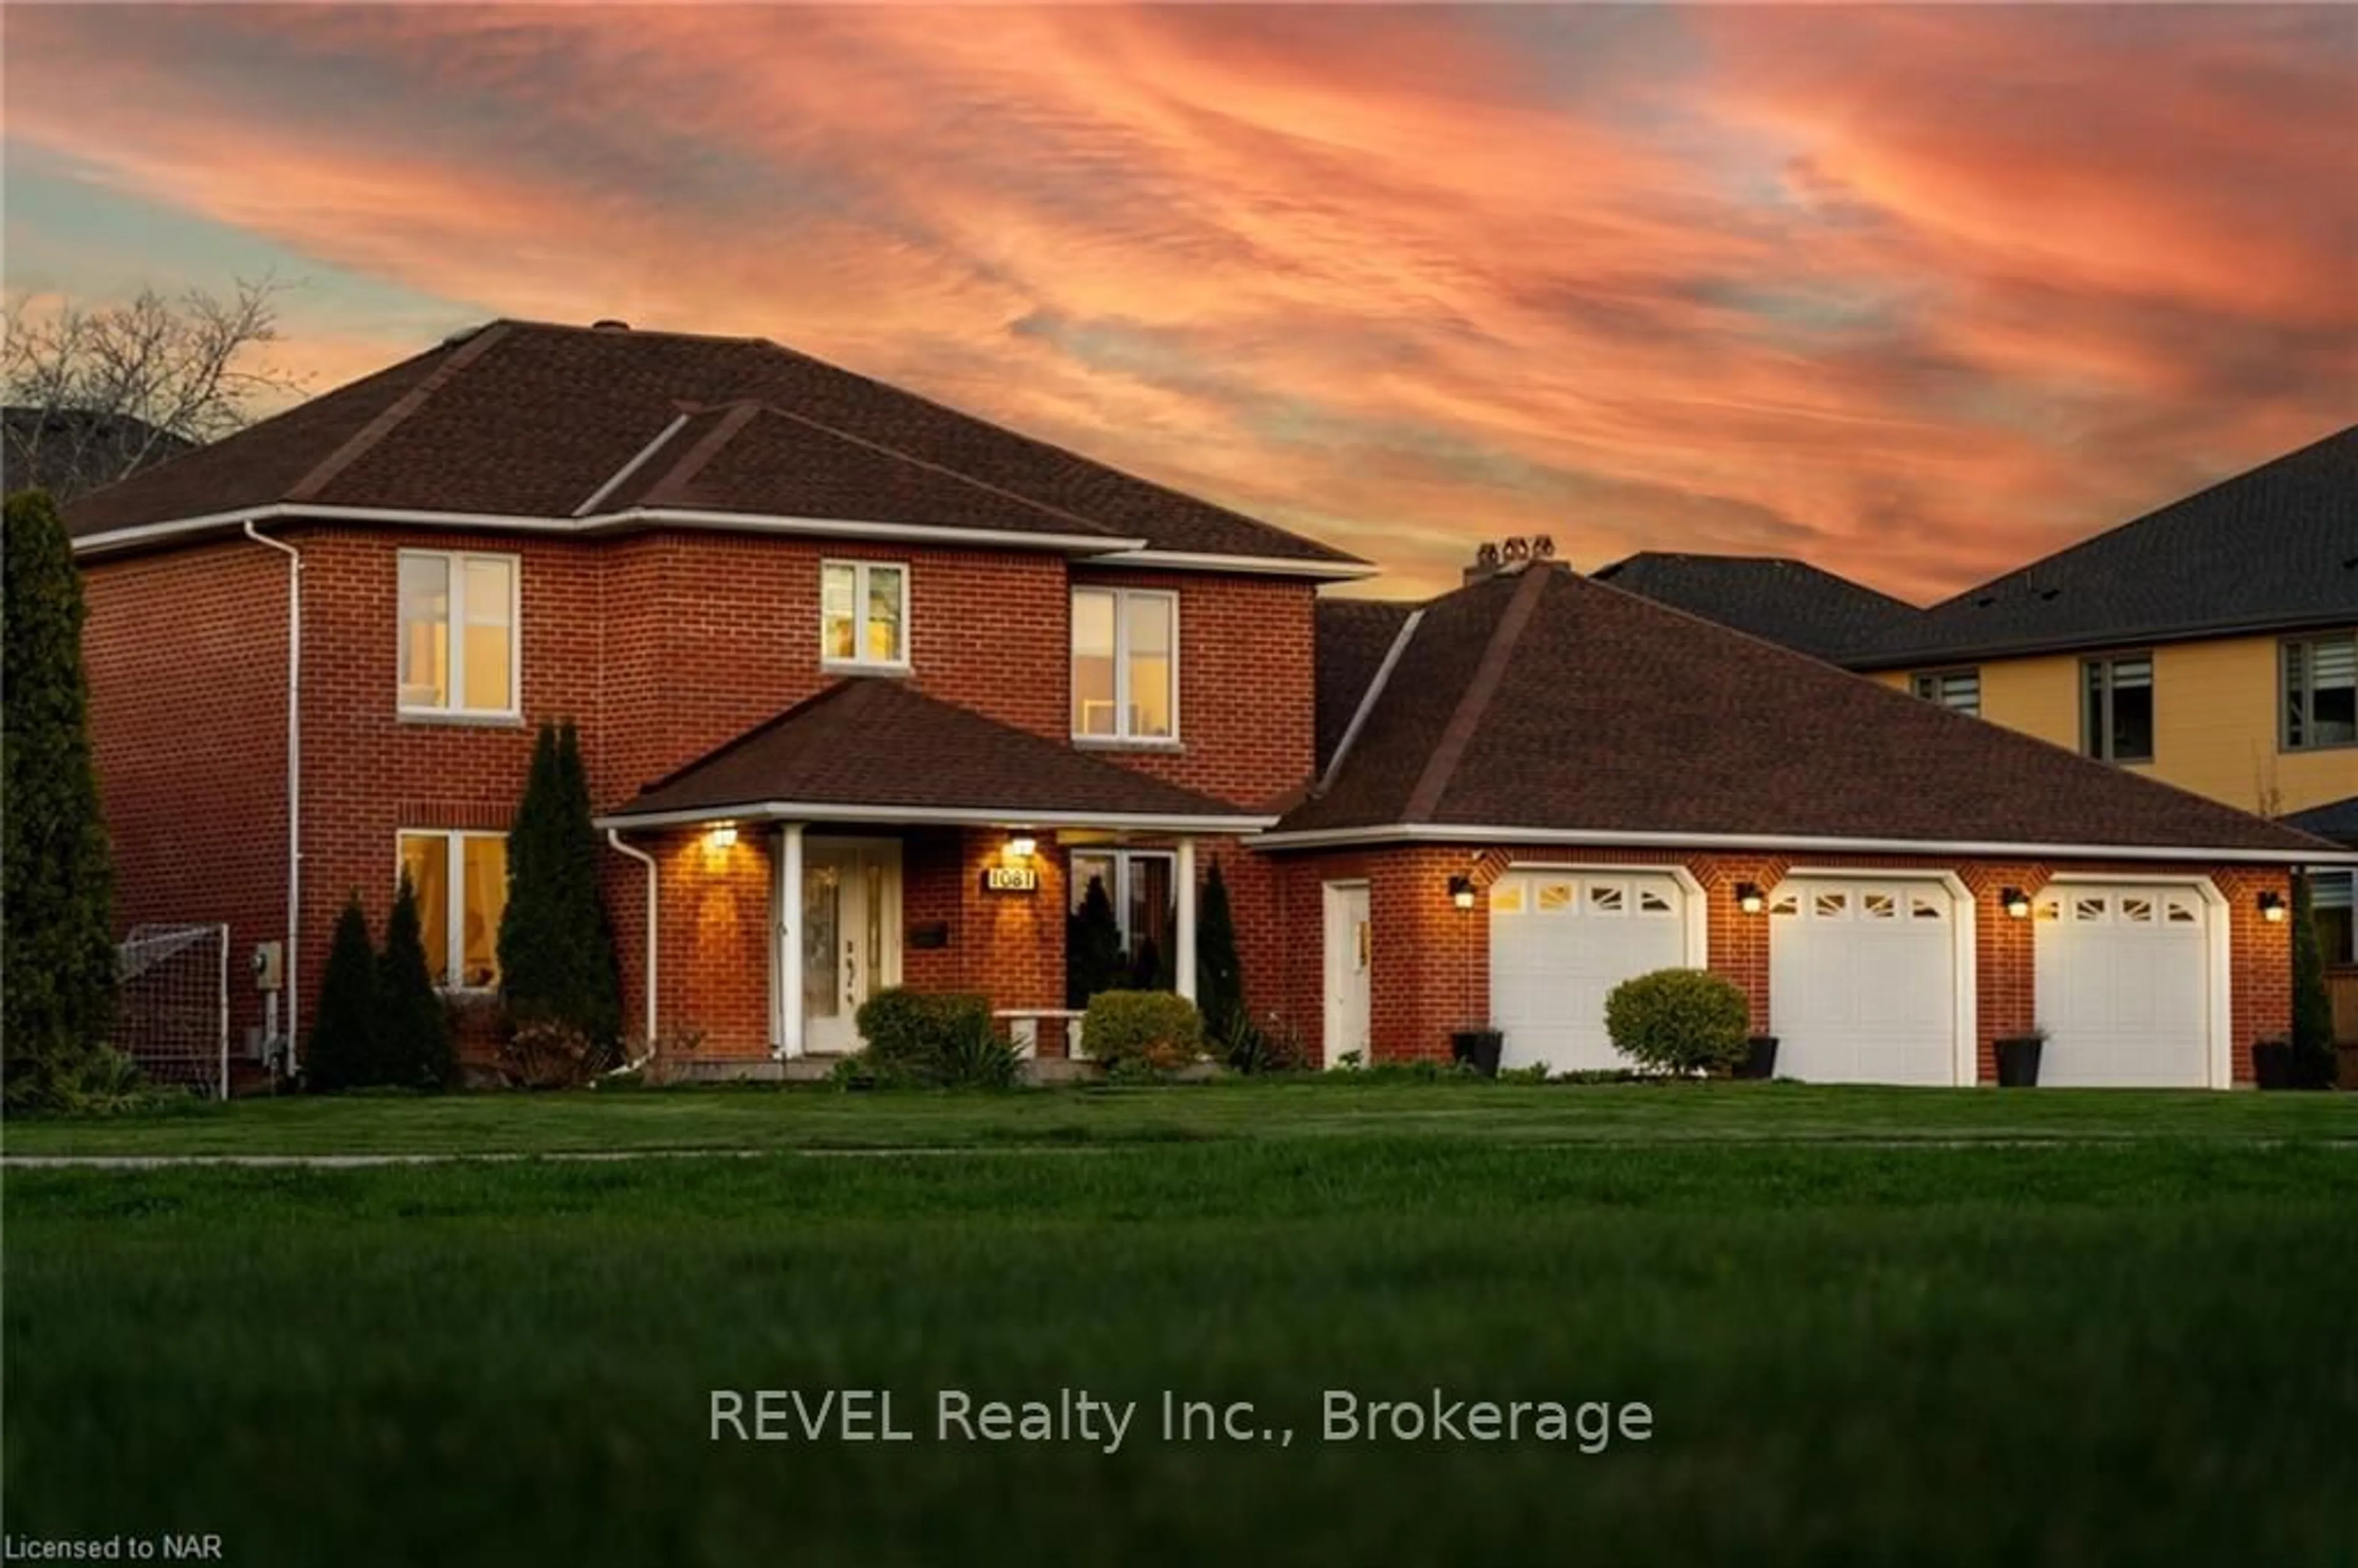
{"x": 863, "y": 615}
{"x": 2116, "y": 708}
{"x": 1958, "y": 690}
{"x": 2320, "y": 692}
{"x": 1125, "y": 663}
{"x": 1141, "y": 885}
{"x": 459, "y": 626}
{"x": 460, "y": 882}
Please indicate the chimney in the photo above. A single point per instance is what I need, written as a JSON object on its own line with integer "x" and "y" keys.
{"x": 1510, "y": 555}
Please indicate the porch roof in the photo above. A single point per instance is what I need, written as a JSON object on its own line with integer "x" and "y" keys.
{"x": 877, "y": 749}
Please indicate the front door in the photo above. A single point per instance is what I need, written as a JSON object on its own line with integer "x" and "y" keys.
{"x": 851, "y": 925}
{"x": 1347, "y": 968}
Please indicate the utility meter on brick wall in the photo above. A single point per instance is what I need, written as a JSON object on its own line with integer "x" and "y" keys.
{"x": 268, "y": 966}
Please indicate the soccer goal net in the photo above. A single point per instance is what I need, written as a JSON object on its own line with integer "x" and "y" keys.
{"x": 171, "y": 1004}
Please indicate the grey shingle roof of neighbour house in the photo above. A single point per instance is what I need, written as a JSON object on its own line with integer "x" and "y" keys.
{"x": 532, "y": 420}
{"x": 1788, "y": 601}
{"x": 874, "y": 747}
{"x": 1540, "y": 700}
{"x": 69, "y": 450}
{"x": 2270, "y": 549}
{"x": 2336, "y": 819}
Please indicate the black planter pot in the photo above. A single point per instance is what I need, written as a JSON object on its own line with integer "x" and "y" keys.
{"x": 2272, "y": 1063}
{"x": 1479, "y": 1046}
{"x": 1760, "y": 1059}
{"x": 2018, "y": 1062}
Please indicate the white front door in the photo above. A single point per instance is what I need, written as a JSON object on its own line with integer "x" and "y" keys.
{"x": 851, "y": 930}
{"x": 2123, "y": 973}
{"x": 1559, "y": 942}
{"x": 1349, "y": 938}
{"x": 1863, "y": 980}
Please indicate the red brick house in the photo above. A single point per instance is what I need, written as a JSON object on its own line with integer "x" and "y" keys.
{"x": 867, "y": 688}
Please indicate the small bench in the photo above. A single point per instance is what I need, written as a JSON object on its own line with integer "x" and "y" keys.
{"x": 1024, "y": 1023}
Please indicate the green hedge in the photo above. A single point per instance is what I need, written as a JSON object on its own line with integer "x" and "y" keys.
{"x": 1155, "y": 1030}
{"x": 1679, "y": 1021}
{"x": 943, "y": 1039}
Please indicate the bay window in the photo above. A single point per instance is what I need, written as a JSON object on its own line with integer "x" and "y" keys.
{"x": 1125, "y": 665}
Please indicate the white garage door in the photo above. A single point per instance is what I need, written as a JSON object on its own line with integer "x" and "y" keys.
{"x": 2124, "y": 977}
{"x": 1560, "y": 941}
{"x": 1863, "y": 980}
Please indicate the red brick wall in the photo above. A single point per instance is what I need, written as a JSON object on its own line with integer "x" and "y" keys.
{"x": 1424, "y": 985}
{"x": 187, "y": 661}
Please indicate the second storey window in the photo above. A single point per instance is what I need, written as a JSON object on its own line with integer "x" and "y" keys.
{"x": 1958, "y": 689}
{"x": 864, "y": 614}
{"x": 461, "y": 884}
{"x": 2321, "y": 691}
{"x": 2116, "y": 708}
{"x": 1125, "y": 665}
{"x": 458, "y": 622}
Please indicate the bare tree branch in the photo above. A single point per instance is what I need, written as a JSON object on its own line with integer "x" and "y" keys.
{"x": 93, "y": 394}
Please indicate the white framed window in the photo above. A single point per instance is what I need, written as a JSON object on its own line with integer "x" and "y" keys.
{"x": 461, "y": 881}
{"x": 461, "y": 628}
{"x": 1958, "y": 690}
{"x": 863, "y": 615}
{"x": 1142, "y": 886}
{"x": 1125, "y": 665}
{"x": 2320, "y": 692}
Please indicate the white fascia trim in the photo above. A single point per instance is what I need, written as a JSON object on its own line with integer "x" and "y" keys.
{"x": 1142, "y": 554}
{"x": 919, "y": 816}
{"x": 630, "y": 517}
{"x": 1453, "y": 833}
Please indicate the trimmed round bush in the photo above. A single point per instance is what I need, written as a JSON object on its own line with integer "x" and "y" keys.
{"x": 1156, "y": 1032}
{"x": 943, "y": 1039}
{"x": 1679, "y": 1021}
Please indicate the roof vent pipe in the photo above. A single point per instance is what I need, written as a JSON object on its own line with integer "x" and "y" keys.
{"x": 609, "y": 324}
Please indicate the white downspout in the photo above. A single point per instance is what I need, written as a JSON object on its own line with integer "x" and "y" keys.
{"x": 288, "y": 973}
{"x": 614, "y": 841}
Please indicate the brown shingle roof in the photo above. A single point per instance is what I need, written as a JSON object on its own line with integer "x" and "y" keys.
{"x": 527, "y": 418}
{"x": 1613, "y": 714}
{"x": 881, "y": 744}
{"x": 1353, "y": 636}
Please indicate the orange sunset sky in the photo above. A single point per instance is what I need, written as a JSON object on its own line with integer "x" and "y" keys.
{"x": 1911, "y": 293}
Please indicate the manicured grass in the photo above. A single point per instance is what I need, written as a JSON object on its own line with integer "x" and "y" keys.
{"x": 813, "y": 1117}
{"x": 2088, "y": 1353}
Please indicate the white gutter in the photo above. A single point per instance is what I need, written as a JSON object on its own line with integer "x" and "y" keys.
{"x": 287, "y": 970}
{"x": 632, "y": 517}
{"x": 1264, "y": 565}
{"x": 614, "y": 841}
{"x": 1453, "y": 833}
{"x": 918, "y": 815}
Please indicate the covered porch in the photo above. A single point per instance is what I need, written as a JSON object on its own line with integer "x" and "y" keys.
{"x": 874, "y": 837}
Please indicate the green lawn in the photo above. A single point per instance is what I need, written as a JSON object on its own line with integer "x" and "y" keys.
{"x": 815, "y": 1117}
{"x": 2124, "y": 1348}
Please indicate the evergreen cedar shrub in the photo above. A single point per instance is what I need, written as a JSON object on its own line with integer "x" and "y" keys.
{"x": 342, "y": 1054}
{"x": 1219, "y": 973}
{"x": 1157, "y": 1030}
{"x": 940, "y": 1039}
{"x": 2312, "y": 1005}
{"x": 57, "y": 882}
{"x": 1094, "y": 959}
{"x": 557, "y": 945}
{"x": 1679, "y": 1021}
{"x": 413, "y": 1047}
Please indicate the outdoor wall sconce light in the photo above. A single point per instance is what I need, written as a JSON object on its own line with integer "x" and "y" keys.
{"x": 1748, "y": 898}
{"x": 722, "y": 837}
{"x": 2015, "y": 903}
{"x": 1021, "y": 846}
{"x": 2272, "y": 907}
{"x": 1461, "y": 892}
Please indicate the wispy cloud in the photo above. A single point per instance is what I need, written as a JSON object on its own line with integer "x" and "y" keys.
{"x": 1909, "y": 292}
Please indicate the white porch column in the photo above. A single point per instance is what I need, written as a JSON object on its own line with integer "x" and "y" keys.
{"x": 1184, "y": 872}
{"x": 789, "y": 967}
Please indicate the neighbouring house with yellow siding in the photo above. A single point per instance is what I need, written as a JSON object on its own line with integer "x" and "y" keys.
{"x": 2211, "y": 645}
